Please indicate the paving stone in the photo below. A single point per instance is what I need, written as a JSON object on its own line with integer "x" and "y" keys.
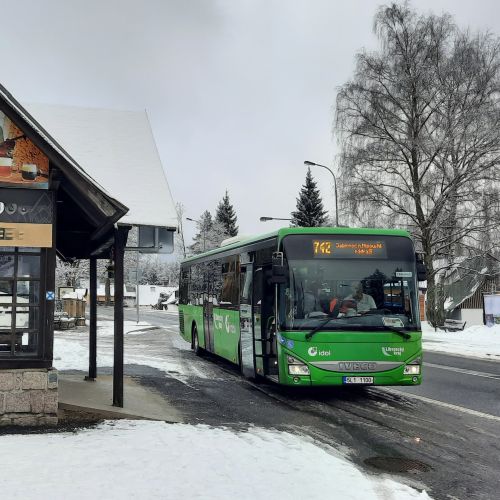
{"x": 48, "y": 420}
{"x": 7, "y": 381}
{"x": 17, "y": 402}
{"x": 34, "y": 380}
{"x": 25, "y": 420}
{"x": 52, "y": 379}
{"x": 37, "y": 402}
{"x": 5, "y": 420}
{"x": 51, "y": 402}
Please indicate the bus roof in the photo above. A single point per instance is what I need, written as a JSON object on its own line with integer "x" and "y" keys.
{"x": 285, "y": 231}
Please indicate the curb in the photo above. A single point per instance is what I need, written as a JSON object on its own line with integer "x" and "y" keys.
{"x": 112, "y": 414}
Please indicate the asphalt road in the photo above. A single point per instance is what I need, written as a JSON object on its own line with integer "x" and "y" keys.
{"x": 445, "y": 434}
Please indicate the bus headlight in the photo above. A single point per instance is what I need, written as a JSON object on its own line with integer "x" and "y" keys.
{"x": 298, "y": 370}
{"x": 412, "y": 370}
{"x": 296, "y": 367}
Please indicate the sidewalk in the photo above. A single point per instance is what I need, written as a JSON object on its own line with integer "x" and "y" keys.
{"x": 77, "y": 394}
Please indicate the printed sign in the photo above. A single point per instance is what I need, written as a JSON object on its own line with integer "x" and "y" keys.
{"x": 492, "y": 310}
{"x": 349, "y": 249}
{"x": 22, "y": 164}
{"x": 26, "y": 218}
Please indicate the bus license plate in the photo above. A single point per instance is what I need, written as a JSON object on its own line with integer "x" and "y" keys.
{"x": 357, "y": 380}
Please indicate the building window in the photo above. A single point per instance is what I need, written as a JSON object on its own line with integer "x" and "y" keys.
{"x": 19, "y": 301}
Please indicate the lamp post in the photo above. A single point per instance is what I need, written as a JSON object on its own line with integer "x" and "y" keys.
{"x": 265, "y": 219}
{"x": 310, "y": 164}
{"x": 202, "y": 230}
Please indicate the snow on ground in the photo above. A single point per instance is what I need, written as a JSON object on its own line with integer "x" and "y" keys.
{"x": 71, "y": 349}
{"x": 478, "y": 341}
{"x": 143, "y": 459}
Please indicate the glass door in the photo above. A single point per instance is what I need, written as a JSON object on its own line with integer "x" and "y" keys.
{"x": 20, "y": 301}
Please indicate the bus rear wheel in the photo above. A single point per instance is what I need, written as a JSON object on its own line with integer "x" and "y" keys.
{"x": 196, "y": 344}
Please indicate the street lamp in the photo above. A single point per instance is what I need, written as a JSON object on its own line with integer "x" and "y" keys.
{"x": 202, "y": 230}
{"x": 265, "y": 219}
{"x": 311, "y": 164}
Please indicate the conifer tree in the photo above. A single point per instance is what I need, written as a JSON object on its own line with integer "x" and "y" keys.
{"x": 209, "y": 236}
{"x": 310, "y": 211}
{"x": 226, "y": 216}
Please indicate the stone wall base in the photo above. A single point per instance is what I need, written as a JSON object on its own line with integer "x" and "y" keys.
{"x": 28, "y": 397}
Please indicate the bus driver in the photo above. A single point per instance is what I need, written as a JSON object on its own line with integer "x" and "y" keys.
{"x": 358, "y": 301}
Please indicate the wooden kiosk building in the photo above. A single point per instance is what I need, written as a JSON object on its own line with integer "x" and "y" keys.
{"x": 50, "y": 205}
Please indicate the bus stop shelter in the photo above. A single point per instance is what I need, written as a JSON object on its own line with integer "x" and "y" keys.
{"x": 73, "y": 182}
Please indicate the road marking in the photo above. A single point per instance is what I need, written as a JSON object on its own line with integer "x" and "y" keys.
{"x": 443, "y": 404}
{"x": 463, "y": 370}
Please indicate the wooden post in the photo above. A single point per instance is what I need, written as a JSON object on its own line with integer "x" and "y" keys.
{"x": 121, "y": 234}
{"x": 93, "y": 321}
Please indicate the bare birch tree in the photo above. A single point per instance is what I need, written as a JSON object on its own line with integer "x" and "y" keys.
{"x": 418, "y": 127}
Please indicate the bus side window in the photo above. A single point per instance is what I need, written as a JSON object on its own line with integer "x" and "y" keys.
{"x": 229, "y": 295}
{"x": 245, "y": 286}
{"x": 184, "y": 286}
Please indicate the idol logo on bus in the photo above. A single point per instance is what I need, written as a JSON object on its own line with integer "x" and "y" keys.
{"x": 313, "y": 351}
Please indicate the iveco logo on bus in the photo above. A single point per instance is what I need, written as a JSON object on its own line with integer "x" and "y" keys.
{"x": 357, "y": 366}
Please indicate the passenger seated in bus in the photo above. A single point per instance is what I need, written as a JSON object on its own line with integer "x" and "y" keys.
{"x": 329, "y": 302}
{"x": 310, "y": 301}
{"x": 357, "y": 302}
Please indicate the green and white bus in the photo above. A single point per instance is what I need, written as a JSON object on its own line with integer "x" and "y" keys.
{"x": 309, "y": 306}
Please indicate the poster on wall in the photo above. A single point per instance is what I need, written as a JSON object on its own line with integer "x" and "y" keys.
{"x": 492, "y": 309}
{"x": 26, "y": 218}
{"x": 22, "y": 164}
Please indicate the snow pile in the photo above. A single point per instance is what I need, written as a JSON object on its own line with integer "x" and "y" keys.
{"x": 141, "y": 459}
{"x": 479, "y": 341}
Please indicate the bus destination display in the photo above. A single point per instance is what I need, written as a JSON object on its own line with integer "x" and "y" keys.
{"x": 347, "y": 249}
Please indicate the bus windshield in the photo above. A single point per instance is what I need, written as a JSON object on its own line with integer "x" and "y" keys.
{"x": 360, "y": 282}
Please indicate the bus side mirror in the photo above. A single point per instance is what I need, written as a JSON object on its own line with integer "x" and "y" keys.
{"x": 278, "y": 273}
{"x": 421, "y": 269}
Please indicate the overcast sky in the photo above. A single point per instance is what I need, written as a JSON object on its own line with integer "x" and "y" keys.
{"x": 239, "y": 92}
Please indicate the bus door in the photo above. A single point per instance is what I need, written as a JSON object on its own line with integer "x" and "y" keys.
{"x": 208, "y": 313}
{"x": 264, "y": 329}
{"x": 257, "y": 320}
{"x": 247, "y": 359}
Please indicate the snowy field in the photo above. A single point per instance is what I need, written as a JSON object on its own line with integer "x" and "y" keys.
{"x": 477, "y": 341}
{"x": 143, "y": 459}
{"x": 149, "y": 460}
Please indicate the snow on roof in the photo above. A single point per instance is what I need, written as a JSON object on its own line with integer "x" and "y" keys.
{"x": 42, "y": 132}
{"x": 117, "y": 149}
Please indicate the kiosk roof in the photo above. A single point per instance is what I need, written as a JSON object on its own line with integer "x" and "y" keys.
{"x": 117, "y": 149}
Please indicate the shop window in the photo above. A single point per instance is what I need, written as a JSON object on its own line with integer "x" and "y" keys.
{"x": 19, "y": 301}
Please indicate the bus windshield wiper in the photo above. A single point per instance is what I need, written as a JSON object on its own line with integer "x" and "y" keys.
{"x": 399, "y": 331}
{"x": 318, "y": 328}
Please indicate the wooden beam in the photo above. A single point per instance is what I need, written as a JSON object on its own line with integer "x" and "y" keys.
{"x": 93, "y": 321}
{"x": 121, "y": 234}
